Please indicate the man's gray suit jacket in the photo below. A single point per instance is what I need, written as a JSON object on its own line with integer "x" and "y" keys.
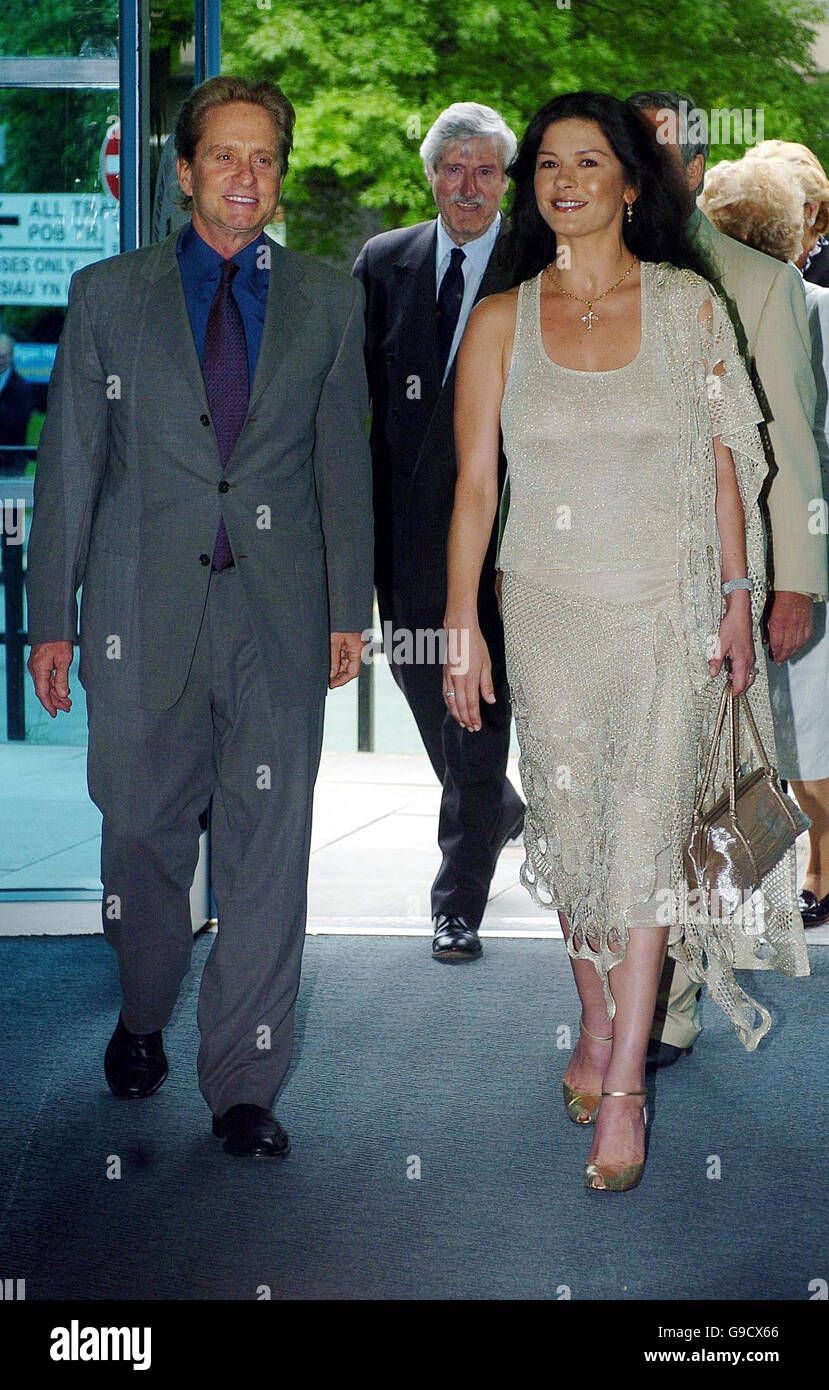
{"x": 129, "y": 485}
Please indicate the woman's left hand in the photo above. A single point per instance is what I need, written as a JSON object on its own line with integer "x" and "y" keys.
{"x": 467, "y": 674}
{"x": 735, "y": 641}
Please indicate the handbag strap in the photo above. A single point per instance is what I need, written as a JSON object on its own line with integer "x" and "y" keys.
{"x": 770, "y": 772}
{"x": 733, "y": 704}
{"x": 733, "y": 748}
{"x": 712, "y": 754}
{"x": 755, "y": 734}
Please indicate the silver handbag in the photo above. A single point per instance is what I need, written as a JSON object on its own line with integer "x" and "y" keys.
{"x": 739, "y": 839}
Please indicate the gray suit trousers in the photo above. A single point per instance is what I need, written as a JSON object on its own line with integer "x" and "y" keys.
{"x": 152, "y": 773}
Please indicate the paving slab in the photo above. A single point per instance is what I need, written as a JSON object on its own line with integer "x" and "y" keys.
{"x": 373, "y": 858}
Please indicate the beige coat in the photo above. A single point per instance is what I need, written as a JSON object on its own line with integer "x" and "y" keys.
{"x": 768, "y": 310}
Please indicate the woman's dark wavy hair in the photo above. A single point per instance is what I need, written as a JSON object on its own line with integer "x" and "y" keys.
{"x": 657, "y": 231}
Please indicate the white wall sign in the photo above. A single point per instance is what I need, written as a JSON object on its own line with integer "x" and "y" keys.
{"x": 46, "y": 237}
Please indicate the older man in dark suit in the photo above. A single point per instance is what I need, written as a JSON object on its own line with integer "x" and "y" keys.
{"x": 204, "y": 473}
{"x": 421, "y": 283}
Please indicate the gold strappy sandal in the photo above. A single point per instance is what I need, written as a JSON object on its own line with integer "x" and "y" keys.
{"x": 598, "y": 1177}
{"x": 582, "y": 1107}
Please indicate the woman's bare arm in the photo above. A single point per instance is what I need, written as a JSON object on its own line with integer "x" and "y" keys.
{"x": 479, "y": 387}
{"x": 734, "y": 639}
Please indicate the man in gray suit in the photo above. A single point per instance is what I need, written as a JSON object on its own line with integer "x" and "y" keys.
{"x": 204, "y": 474}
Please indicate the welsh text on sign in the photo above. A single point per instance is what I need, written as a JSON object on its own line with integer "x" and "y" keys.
{"x": 46, "y": 237}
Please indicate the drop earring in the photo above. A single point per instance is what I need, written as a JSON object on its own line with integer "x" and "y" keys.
{"x": 629, "y": 207}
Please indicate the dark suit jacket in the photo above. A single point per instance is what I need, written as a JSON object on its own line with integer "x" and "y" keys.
{"x": 15, "y": 409}
{"x": 818, "y": 272}
{"x": 129, "y": 486}
{"x": 412, "y": 436}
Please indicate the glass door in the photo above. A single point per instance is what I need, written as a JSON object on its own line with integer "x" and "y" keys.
{"x": 73, "y": 189}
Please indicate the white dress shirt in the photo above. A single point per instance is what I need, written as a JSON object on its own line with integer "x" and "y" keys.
{"x": 475, "y": 261}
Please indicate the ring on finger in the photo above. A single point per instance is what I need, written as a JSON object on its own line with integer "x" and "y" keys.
{"x": 449, "y": 694}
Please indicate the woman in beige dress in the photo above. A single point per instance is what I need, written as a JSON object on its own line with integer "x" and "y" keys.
{"x": 635, "y": 464}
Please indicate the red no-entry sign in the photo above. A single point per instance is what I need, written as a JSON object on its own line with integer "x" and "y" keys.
{"x": 111, "y": 161}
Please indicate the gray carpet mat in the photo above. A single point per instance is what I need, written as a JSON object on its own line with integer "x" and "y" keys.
{"x": 397, "y": 1058}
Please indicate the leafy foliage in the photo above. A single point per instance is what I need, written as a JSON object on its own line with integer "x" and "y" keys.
{"x": 29, "y": 29}
{"x": 369, "y": 76}
{"x": 53, "y": 137}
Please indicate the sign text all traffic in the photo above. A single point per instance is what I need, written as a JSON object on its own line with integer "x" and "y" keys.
{"x": 46, "y": 237}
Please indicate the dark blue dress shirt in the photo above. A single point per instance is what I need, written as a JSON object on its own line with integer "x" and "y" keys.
{"x": 200, "y": 275}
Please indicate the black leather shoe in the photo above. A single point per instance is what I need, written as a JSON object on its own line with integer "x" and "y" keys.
{"x": 250, "y": 1131}
{"x": 513, "y": 833}
{"x": 454, "y": 940}
{"x": 814, "y": 911}
{"x": 662, "y": 1054}
{"x": 134, "y": 1063}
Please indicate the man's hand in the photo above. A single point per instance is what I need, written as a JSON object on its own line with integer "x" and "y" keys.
{"x": 48, "y": 666}
{"x": 789, "y": 624}
{"x": 346, "y": 651}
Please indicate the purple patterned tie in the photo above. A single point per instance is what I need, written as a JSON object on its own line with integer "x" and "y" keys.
{"x": 225, "y": 371}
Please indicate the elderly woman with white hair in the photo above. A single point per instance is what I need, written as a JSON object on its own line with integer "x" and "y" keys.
{"x": 768, "y": 201}
{"x": 812, "y": 257}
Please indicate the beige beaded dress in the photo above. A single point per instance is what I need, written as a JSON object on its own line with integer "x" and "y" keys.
{"x": 611, "y": 601}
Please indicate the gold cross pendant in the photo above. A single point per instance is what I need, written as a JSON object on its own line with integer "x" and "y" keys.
{"x": 588, "y": 319}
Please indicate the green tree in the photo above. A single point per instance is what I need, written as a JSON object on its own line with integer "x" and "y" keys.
{"x": 53, "y": 138}
{"x": 64, "y": 28}
{"x": 369, "y": 76}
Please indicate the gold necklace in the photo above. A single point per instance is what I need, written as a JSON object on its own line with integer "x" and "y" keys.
{"x": 589, "y": 317}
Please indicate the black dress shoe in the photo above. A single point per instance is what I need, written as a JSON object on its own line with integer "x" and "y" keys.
{"x": 814, "y": 911}
{"x": 134, "y": 1063}
{"x": 513, "y": 833}
{"x": 454, "y": 940}
{"x": 662, "y": 1054}
{"x": 251, "y": 1131}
